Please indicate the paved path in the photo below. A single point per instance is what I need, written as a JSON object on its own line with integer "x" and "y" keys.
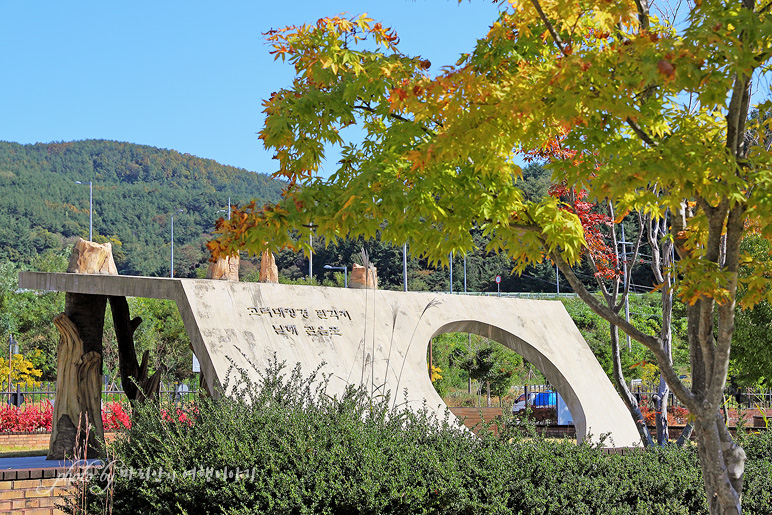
{"x": 34, "y": 462}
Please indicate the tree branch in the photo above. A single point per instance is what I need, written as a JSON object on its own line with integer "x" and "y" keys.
{"x": 734, "y": 230}
{"x": 653, "y": 235}
{"x": 551, "y": 28}
{"x": 643, "y": 13}
{"x": 734, "y": 114}
{"x": 650, "y": 342}
{"x": 371, "y": 110}
{"x": 640, "y": 132}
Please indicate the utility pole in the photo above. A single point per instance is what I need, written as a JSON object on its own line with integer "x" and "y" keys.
{"x": 404, "y": 265}
{"x": 171, "y": 267}
{"x": 464, "y": 273}
{"x": 90, "y": 209}
{"x": 451, "y": 272}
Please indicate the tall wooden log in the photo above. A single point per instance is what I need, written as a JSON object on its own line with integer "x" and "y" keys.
{"x": 136, "y": 383}
{"x": 269, "y": 272}
{"x": 79, "y": 359}
{"x": 78, "y": 396}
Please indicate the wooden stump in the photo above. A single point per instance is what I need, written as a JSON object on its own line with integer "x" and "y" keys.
{"x": 78, "y": 397}
{"x": 363, "y": 278}
{"x": 92, "y": 258}
{"x": 269, "y": 272}
{"x": 225, "y": 268}
{"x": 78, "y": 402}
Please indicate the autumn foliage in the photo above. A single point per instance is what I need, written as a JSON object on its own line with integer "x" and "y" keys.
{"x": 655, "y": 116}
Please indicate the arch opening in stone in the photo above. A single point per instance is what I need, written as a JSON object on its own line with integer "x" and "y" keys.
{"x": 470, "y": 370}
{"x": 529, "y": 352}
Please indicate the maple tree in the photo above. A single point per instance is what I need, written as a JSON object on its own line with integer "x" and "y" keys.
{"x": 613, "y": 274}
{"x": 656, "y": 118}
{"x": 613, "y": 278}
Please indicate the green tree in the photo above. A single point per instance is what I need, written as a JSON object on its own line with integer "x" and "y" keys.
{"x": 751, "y": 361}
{"x": 656, "y": 117}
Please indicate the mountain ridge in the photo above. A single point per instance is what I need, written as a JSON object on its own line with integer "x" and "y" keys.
{"x": 136, "y": 189}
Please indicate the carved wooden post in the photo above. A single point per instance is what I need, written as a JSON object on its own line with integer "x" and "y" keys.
{"x": 79, "y": 359}
{"x": 269, "y": 272}
{"x": 78, "y": 382}
{"x": 225, "y": 268}
{"x": 363, "y": 277}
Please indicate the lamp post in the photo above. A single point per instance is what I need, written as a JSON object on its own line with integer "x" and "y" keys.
{"x": 13, "y": 348}
{"x": 451, "y": 272}
{"x": 171, "y": 272}
{"x": 464, "y": 273}
{"x": 404, "y": 265}
{"x": 90, "y": 209}
{"x": 345, "y": 272}
{"x": 226, "y": 210}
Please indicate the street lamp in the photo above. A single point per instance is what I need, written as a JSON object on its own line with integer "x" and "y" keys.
{"x": 226, "y": 210}
{"x": 464, "y": 273}
{"x": 404, "y": 265}
{"x": 90, "y": 209}
{"x": 171, "y": 273}
{"x": 451, "y": 272}
{"x": 13, "y": 348}
{"x": 345, "y": 272}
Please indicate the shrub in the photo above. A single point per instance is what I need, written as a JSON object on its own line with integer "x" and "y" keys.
{"x": 282, "y": 445}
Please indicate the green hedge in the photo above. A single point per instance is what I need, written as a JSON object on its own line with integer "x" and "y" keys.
{"x": 302, "y": 451}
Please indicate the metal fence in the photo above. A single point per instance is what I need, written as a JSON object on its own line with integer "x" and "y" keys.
{"x": 183, "y": 392}
{"x": 517, "y": 294}
{"x": 735, "y": 397}
{"x": 748, "y": 398}
{"x": 24, "y": 395}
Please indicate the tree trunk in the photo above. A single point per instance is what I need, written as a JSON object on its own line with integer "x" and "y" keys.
{"x": 78, "y": 401}
{"x": 78, "y": 397}
{"x": 722, "y": 465}
{"x": 629, "y": 399}
{"x": 92, "y": 258}
{"x": 664, "y": 258}
{"x": 685, "y": 434}
{"x": 225, "y": 268}
{"x": 136, "y": 383}
{"x": 661, "y": 400}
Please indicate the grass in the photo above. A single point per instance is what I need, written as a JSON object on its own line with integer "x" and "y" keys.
{"x": 16, "y": 451}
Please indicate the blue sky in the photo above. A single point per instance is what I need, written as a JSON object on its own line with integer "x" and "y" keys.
{"x": 188, "y": 76}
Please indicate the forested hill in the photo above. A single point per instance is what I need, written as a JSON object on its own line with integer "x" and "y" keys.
{"x": 136, "y": 188}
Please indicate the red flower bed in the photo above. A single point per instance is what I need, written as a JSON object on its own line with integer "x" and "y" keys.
{"x": 26, "y": 419}
{"x": 115, "y": 415}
